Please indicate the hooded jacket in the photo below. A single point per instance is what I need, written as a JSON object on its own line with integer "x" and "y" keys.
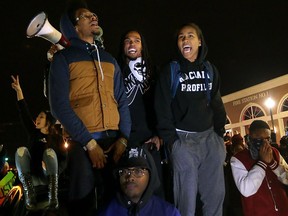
{"x": 149, "y": 204}
{"x": 86, "y": 90}
{"x": 189, "y": 109}
{"x": 263, "y": 186}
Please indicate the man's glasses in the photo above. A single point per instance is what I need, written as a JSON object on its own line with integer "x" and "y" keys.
{"x": 86, "y": 16}
{"x": 137, "y": 172}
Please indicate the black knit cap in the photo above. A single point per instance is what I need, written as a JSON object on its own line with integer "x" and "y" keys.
{"x": 134, "y": 157}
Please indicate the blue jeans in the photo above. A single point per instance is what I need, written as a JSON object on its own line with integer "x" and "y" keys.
{"x": 23, "y": 158}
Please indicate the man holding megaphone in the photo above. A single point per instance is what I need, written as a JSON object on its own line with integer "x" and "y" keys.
{"x": 99, "y": 41}
{"x": 87, "y": 95}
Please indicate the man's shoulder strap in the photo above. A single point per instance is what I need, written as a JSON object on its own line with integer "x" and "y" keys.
{"x": 175, "y": 75}
{"x": 209, "y": 74}
{"x": 209, "y": 69}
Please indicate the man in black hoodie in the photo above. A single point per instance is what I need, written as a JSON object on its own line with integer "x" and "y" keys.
{"x": 137, "y": 177}
{"x": 191, "y": 120}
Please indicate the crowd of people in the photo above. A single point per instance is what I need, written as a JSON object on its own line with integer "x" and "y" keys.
{"x": 122, "y": 117}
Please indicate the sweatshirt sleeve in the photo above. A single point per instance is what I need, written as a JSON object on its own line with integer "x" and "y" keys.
{"x": 121, "y": 97}
{"x": 59, "y": 81}
{"x": 163, "y": 99}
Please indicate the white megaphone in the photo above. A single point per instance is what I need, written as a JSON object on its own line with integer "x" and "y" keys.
{"x": 39, "y": 26}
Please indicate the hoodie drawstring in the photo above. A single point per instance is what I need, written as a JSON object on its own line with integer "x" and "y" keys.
{"x": 99, "y": 60}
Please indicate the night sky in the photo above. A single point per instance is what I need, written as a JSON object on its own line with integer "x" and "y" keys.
{"x": 247, "y": 41}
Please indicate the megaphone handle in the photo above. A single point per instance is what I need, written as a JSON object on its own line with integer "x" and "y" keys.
{"x": 53, "y": 49}
{"x": 64, "y": 41}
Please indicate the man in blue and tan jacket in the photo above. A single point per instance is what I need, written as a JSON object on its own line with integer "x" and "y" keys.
{"x": 87, "y": 95}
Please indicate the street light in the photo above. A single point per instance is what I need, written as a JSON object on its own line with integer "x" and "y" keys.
{"x": 270, "y": 103}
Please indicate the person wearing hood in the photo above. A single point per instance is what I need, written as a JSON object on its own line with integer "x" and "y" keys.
{"x": 260, "y": 174}
{"x": 191, "y": 122}
{"x": 87, "y": 95}
{"x": 137, "y": 180}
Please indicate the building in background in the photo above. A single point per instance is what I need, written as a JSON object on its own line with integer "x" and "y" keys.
{"x": 244, "y": 106}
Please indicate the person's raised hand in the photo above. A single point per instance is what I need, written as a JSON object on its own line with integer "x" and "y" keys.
{"x": 15, "y": 83}
{"x": 266, "y": 153}
{"x": 16, "y": 86}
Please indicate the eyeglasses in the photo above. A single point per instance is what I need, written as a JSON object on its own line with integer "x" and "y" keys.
{"x": 137, "y": 172}
{"x": 86, "y": 16}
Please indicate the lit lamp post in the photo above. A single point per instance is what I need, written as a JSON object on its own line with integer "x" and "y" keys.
{"x": 270, "y": 103}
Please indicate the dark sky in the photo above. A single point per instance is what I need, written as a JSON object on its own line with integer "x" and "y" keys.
{"x": 247, "y": 39}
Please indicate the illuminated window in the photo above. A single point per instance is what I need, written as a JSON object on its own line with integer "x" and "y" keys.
{"x": 285, "y": 105}
{"x": 252, "y": 112}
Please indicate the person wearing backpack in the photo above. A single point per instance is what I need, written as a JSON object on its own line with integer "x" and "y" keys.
{"x": 191, "y": 119}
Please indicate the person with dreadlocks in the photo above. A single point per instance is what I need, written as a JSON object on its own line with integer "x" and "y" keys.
{"x": 137, "y": 179}
{"x": 139, "y": 80}
{"x": 261, "y": 174}
{"x": 37, "y": 162}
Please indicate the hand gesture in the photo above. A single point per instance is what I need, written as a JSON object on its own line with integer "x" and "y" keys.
{"x": 266, "y": 153}
{"x": 16, "y": 86}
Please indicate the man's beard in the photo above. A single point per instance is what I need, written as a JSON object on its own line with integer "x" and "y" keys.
{"x": 96, "y": 33}
{"x": 132, "y": 58}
